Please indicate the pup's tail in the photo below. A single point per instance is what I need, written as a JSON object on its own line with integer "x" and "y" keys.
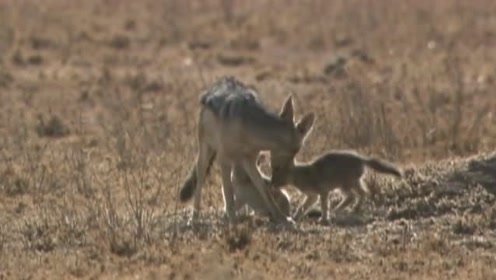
{"x": 383, "y": 166}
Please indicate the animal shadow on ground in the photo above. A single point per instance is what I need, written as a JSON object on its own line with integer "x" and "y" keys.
{"x": 340, "y": 220}
{"x": 212, "y": 222}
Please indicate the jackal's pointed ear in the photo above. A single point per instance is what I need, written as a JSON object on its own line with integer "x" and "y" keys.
{"x": 287, "y": 111}
{"x": 305, "y": 125}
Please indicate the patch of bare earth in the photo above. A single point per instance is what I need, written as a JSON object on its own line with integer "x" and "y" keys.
{"x": 438, "y": 221}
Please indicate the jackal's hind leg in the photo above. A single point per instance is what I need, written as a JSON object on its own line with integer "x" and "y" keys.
{"x": 238, "y": 204}
{"x": 360, "y": 194}
{"x": 303, "y": 209}
{"x": 228, "y": 193}
{"x": 205, "y": 153}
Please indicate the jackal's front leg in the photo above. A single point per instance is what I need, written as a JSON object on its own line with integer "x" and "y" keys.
{"x": 268, "y": 199}
{"x": 228, "y": 193}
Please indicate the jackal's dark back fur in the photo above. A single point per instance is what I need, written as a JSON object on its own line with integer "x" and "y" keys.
{"x": 229, "y": 98}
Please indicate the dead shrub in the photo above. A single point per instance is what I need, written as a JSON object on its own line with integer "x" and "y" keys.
{"x": 237, "y": 238}
{"x": 234, "y": 60}
{"x": 40, "y": 43}
{"x": 464, "y": 226}
{"x": 54, "y": 128}
{"x": 120, "y": 42}
{"x": 6, "y": 78}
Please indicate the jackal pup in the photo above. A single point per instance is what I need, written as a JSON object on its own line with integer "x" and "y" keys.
{"x": 341, "y": 170}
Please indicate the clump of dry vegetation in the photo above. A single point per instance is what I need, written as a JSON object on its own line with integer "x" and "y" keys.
{"x": 98, "y": 110}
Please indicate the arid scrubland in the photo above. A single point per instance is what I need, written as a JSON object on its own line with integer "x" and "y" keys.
{"x": 98, "y": 110}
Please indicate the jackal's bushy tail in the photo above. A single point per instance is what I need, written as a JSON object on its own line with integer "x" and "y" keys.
{"x": 383, "y": 166}
{"x": 189, "y": 186}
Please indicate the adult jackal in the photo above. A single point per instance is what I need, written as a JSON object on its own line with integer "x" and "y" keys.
{"x": 341, "y": 170}
{"x": 234, "y": 126}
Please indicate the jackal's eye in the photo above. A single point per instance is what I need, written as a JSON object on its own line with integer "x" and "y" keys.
{"x": 295, "y": 150}
{"x": 277, "y": 180}
{"x": 276, "y": 170}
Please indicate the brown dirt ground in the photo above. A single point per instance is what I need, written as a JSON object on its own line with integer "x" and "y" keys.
{"x": 98, "y": 109}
